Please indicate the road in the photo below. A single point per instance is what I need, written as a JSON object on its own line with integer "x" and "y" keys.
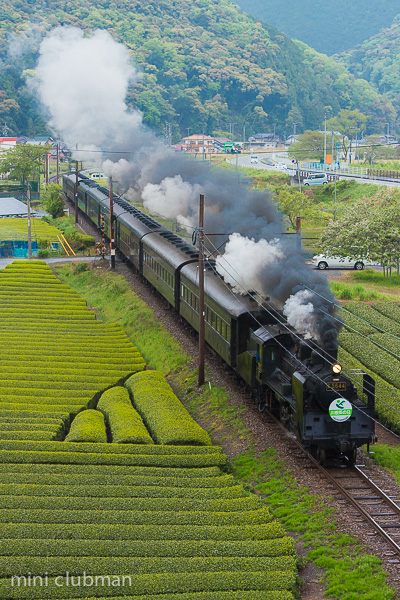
{"x": 281, "y": 157}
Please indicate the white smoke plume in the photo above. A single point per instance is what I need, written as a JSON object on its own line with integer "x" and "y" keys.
{"x": 299, "y": 311}
{"x": 239, "y": 267}
{"x": 172, "y": 198}
{"x": 83, "y": 84}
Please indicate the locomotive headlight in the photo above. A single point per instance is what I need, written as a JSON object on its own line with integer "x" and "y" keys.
{"x": 337, "y": 369}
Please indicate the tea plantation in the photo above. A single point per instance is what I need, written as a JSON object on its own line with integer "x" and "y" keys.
{"x": 127, "y": 501}
{"x": 370, "y": 341}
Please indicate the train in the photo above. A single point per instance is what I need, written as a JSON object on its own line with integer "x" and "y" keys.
{"x": 299, "y": 383}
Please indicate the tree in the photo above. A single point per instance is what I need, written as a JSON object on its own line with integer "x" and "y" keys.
{"x": 371, "y": 228}
{"x": 348, "y": 123}
{"x": 310, "y": 145}
{"x": 295, "y": 204}
{"x": 52, "y": 201}
{"x": 23, "y": 161}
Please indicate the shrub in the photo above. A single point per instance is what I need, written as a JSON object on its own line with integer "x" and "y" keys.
{"x": 42, "y": 253}
{"x": 125, "y": 423}
{"x": 88, "y": 426}
{"x": 164, "y": 415}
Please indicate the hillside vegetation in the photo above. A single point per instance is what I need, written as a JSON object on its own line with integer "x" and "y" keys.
{"x": 204, "y": 64}
{"x": 328, "y": 27}
{"x": 378, "y": 61}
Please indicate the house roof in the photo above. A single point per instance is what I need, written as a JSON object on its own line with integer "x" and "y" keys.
{"x": 11, "y": 207}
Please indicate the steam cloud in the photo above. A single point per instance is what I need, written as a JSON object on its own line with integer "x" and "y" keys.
{"x": 84, "y": 81}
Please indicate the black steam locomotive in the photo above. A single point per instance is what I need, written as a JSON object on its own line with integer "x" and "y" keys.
{"x": 296, "y": 381}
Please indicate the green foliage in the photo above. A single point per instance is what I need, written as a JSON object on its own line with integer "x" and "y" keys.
{"x": 165, "y": 416}
{"x": 88, "y": 426}
{"x": 23, "y": 162}
{"x": 52, "y": 201}
{"x": 330, "y": 29}
{"x": 240, "y": 69}
{"x": 125, "y": 423}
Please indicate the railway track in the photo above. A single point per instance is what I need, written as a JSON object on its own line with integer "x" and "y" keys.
{"x": 376, "y": 508}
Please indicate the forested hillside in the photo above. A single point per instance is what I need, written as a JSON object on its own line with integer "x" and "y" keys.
{"x": 329, "y": 27}
{"x": 378, "y": 61}
{"x": 204, "y": 64}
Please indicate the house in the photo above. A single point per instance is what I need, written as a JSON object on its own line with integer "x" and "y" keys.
{"x": 6, "y": 143}
{"x": 263, "y": 140}
{"x": 198, "y": 142}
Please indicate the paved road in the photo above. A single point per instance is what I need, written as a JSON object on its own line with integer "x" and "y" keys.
{"x": 274, "y": 157}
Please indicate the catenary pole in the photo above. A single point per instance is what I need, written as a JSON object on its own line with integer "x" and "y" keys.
{"x": 28, "y": 196}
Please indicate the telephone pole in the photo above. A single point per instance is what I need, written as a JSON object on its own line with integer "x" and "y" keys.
{"x": 58, "y": 164}
{"x": 200, "y": 380}
{"x": 112, "y": 242}
{"x": 28, "y": 196}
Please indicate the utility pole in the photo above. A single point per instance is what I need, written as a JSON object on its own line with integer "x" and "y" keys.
{"x": 298, "y": 233}
{"x": 58, "y": 163}
{"x": 112, "y": 242}
{"x": 46, "y": 162}
{"x": 76, "y": 191}
{"x": 28, "y": 196}
{"x": 325, "y": 144}
{"x": 200, "y": 380}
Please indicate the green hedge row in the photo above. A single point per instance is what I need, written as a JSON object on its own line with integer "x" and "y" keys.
{"x": 133, "y": 483}
{"x": 387, "y": 409}
{"x": 230, "y": 595}
{"x": 80, "y": 458}
{"x": 126, "y": 425}
{"x": 163, "y": 583}
{"x": 373, "y": 316}
{"x": 121, "y": 532}
{"x": 27, "y": 435}
{"x": 163, "y": 413}
{"x": 117, "y": 448}
{"x": 107, "y": 472}
{"x": 150, "y": 517}
{"x": 35, "y": 426}
{"x": 28, "y": 406}
{"x": 10, "y": 416}
{"x": 161, "y": 490}
{"x": 95, "y": 565}
{"x": 380, "y": 362}
{"x": 138, "y": 504}
{"x": 88, "y": 426}
{"x": 69, "y": 371}
{"x": 147, "y": 548}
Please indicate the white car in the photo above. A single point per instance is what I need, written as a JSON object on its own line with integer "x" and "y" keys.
{"x": 316, "y": 179}
{"x": 320, "y": 261}
{"x": 280, "y": 165}
{"x": 254, "y": 160}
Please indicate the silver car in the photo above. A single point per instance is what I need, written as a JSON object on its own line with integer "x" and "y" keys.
{"x": 316, "y": 179}
{"x": 339, "y": 262}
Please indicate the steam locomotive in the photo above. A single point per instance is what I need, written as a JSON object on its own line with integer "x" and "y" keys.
{"x": 298, "y": 382}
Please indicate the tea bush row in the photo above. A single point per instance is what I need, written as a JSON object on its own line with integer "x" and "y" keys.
{"x": 125, "y": 423}
{"x": 87, "y": 426}
{"x": 133, "y": 517}
{"x": 163, "y": 413}
{"x": 121, "y": 532}
{"x": 161, "y": 490}
{"x": 372, "y": 316}
{"x": 148, "y": 548}
{"x": 380, "y": 362}
{"x": 387, "y": 402}
{"x": 165, "y": 583}
{"x": 79, "y": 458}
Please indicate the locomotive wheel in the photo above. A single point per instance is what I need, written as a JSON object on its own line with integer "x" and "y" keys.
{"x": 352, "y": 456}
{"x": 321, "y": 456}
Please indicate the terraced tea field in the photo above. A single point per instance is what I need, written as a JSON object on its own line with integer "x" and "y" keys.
{"x": 370, "y": 341}
{"x": 143, "y": 509}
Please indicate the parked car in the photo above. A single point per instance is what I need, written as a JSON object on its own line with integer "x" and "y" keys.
{"x": 254, "y": 159}
{"x": 316, "y": 179}
{"x": 320, "y": 261}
